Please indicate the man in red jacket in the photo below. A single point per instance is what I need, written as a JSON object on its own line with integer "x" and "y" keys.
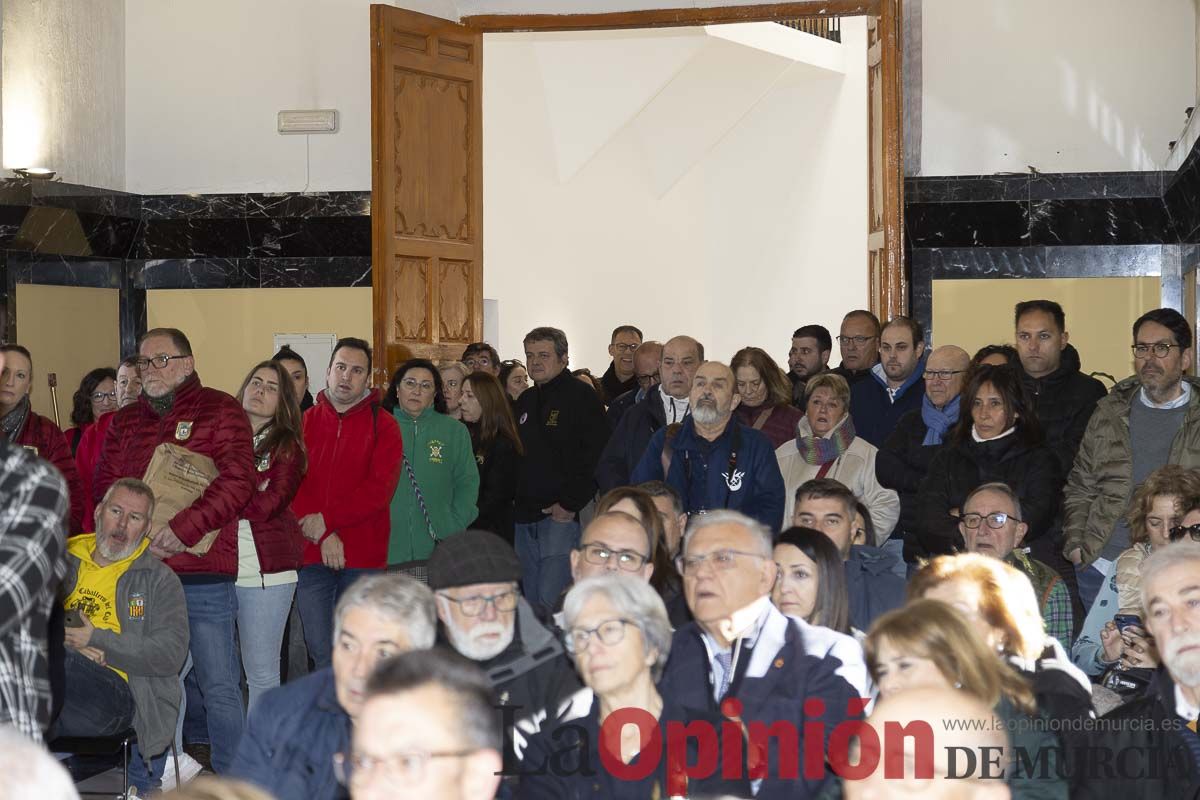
{"x": 355, "y": 456}
{"x": 175, "y": 408}
{"x": 21, "y": 425}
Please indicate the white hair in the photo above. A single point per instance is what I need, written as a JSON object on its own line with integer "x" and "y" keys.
{"x": 634, "y": 600}
{"x": 762, "y": 534}
{"x": 398, "y": 597}
{"x": 29, "y": 772}
{"x": 1163, "y": 557}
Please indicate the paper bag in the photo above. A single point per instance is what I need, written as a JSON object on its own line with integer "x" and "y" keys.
{"x": 178, "y": 477}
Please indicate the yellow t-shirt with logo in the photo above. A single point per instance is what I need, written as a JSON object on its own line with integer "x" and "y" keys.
{"x": 95, "y": 592}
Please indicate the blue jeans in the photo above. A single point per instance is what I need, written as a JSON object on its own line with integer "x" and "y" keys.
{"x": 544, "y": 549}
{"x": 262, "y": 616}
{"x": 317, "y": 594}
{"x": 212, "y": 617}
{"x": 97, "y": 702}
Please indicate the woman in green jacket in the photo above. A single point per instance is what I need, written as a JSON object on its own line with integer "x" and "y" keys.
{"x": 439, "y": 482}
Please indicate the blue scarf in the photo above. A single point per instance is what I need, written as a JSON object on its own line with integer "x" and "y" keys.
{"x": 938, "y": 422}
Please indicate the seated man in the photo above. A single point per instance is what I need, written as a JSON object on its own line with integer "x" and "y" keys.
{"x": 295, "y": 730}
{"x": 872, "y": 581}
{"x": 991, "y": 524}
{"x": 433, "y": 704}
{"x": 779, "y": 669}
{"x": 126, "y": 635}
{"x": 614, "y": 542}
{"x": 474, "y": 576}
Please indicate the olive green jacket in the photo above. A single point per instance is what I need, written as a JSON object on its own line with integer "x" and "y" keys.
{"x": 1101, "y": 484}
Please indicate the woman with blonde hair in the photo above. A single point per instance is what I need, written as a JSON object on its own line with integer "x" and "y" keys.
{"x": 766, "y": 395}
{"x": 453, "y": 375}
{"x": 929, "y": 644}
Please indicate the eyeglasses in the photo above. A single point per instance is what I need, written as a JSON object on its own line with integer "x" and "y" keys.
{"x": 478, "y": 362}
{"x": 600, "y": 555}
{"x": 100, "y": 397}
{"x": 996, "y": 520}
{"x": 159, "y": 362}
{"x": 624, "y": 348}
{"x": 473, "y": 606}
{"x": 1160, "y": 349}
{"x": 609, "y": 632}
{"x": 1179, "y": 531}
{"x": 398, "y": 768}
{"x": 943, "y": 374}
{"x": 647, "y": 380}
{"x": 857, "y": 341}
{"x": 721, "y": 560}
{"x": 413, "y": 383}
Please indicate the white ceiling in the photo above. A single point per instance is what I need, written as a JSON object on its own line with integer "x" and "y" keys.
{"x": 455, "y": 9}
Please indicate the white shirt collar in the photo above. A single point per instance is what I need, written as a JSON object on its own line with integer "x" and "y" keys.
{"x": 674, "y": 408}
{"x": 1184, "y": 396}
{"x": 1183, "y": 708}
{"x": 975, "y": 435}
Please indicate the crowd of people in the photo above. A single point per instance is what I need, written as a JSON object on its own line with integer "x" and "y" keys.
{"x": 689, "y": 577}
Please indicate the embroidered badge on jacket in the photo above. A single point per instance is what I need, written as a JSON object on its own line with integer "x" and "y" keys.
{"x": 137, "y": 606}
{"x": 435, "y": 451}
{"x": 735, "y": 482}
{"x": 183, "y": 430}
{"x": 552, "y": 420}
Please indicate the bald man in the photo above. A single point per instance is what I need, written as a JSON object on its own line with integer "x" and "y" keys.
{"x": 614, "y": 542}
{"x": 958, "y": 722}
{"x": 717, "y": 461}
{"x": 905, "y": 457}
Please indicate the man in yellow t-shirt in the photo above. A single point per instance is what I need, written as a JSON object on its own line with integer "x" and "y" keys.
{"x": 127, "y": 631}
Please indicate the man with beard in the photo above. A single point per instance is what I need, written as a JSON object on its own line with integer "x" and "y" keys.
{"x": 809, "y": 356}
{"x": 896, "y": 385}
{"x": 1148, "y": 420}
{"x": 1154, "y": 737}
{"x": 717, "y": 461}
{"x": 474, "y": 577}
{"x": 126, "y": 634}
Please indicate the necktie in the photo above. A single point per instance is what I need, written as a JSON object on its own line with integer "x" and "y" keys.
{"x": 726, "y": 662}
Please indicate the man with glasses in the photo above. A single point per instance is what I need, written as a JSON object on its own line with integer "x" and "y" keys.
{"x": 740, "y": 646}
{"x": 614, "y": 542}
{"x": 858, "y": 341}
{"x": 991, "y": 525}
{"x": 621, "y": 377}
{"x": 481, "y": 357}
{"x": 1146, "y": 421}
{"x": 660, "y": 406}
{"x": 427, "y": 730}
{"x": 903, "y": 460}
{"x": 296, "y": 731}
{"x": 647, "y": 360}
{"x": 896, "y": 385}
{"x": 809, "y": 356}
{"x": 175, "y": 409}
{"x": 474, "y": 576}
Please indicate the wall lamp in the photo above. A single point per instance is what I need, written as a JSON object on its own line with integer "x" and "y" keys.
{"x": 36, "y": 173}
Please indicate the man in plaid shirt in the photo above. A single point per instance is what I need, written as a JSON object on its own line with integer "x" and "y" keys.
{"x": 33, "y": 509}
{"x": 991, "y": 525}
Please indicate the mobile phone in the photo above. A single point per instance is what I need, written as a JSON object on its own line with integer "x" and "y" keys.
{"x": 1124, "y": 621}
{"x": 72, "y": 619}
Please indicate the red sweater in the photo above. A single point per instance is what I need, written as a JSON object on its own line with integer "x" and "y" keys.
{"x": 47, "y": 441}
{"x": 205, "y": 421}
{"x": 277, "y": 537}
{"x": 87, "y": 455}
{"x": 354, "y": 464}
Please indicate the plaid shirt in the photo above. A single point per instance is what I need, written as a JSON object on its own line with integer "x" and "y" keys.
{"x": 1057, "y": 614}
{"x": 33, "y": 510}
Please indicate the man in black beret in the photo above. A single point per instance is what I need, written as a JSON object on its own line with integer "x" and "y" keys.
{"x": 475, "y": 577}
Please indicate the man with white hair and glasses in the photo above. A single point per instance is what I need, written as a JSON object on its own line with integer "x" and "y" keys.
{"x": 778, "y": 668}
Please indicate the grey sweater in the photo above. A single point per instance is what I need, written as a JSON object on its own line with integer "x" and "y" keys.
{"x": 151, "y": 647}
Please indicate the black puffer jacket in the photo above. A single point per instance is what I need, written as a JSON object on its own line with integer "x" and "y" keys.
{"x": 901, "y": 464}
{"x": 1064, "y": 401}
{"x": 958, "y": 468}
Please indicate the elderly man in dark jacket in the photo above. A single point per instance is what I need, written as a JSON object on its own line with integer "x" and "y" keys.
{"x": 175, "y": 409}
{"x": 296, "y": 730}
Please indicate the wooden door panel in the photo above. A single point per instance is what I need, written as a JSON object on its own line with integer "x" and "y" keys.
{"x": 885, "y": 242}
{"x": 427, "y": 186}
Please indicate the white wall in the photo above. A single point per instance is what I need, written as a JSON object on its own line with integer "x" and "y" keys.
{"x": 1062, "y": 85}
{"x": 205, "y": 80}
{"x": 64, "y": 88}
{"x": 730, "y": 252}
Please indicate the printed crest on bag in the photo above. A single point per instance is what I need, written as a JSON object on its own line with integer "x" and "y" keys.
{"x": 183, "y": 431}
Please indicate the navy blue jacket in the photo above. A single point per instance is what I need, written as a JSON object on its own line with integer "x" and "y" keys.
{"x": 773, "y": 686}
{"x": 874, "y": 415}
{"x": 290, "y": 738}
{"x": 872, "y": 586}
{"x": 700, "y": 472}
{"x": 630, "y": 437}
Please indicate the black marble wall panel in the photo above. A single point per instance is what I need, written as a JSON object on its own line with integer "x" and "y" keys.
{"x": 1182, "y": 198}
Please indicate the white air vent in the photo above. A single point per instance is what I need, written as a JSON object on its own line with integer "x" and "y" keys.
{"x": 315, "y": 121}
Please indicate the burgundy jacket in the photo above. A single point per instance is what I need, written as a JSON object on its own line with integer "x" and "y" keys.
{"x": 277, "y": 537}
{"x": 205, "y": 421}
{"x": 779, "y": 427}
{"x": 47, "y": 441}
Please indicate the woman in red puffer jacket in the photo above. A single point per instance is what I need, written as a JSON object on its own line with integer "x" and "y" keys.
{"x": 270, "y": 545}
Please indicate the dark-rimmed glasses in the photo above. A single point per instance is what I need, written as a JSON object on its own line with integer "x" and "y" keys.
{"x": 996, "y": 520}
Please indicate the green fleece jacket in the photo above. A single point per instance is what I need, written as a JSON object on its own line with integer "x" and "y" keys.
{"x": 439, "y": 449}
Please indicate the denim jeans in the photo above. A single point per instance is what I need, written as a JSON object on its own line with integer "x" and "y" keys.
{"x": 97, "y": 702}
{"x": 317, "y": 594}
{"x": 212, "y": 617}
{"x": 544, "y": 550}
{"x": 262, "y": 615}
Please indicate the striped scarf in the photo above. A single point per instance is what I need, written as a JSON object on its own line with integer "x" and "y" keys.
{"x": 818, "y": 450}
